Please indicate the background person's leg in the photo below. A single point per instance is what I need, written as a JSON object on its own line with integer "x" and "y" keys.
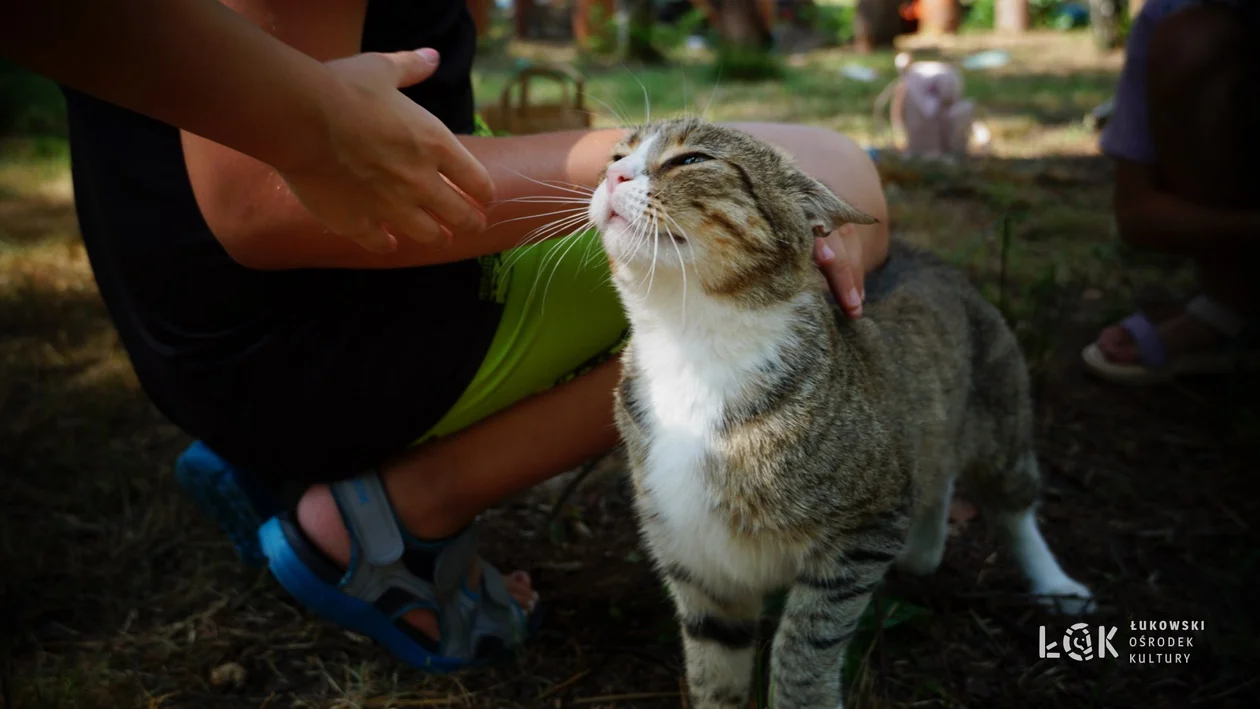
{"x": 1204, "y": 106}
{"x": 1204, "y": 89}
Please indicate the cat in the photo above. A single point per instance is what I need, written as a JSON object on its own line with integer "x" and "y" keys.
{"x": 773, "y": 443}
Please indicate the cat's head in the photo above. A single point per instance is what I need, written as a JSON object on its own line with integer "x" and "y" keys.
{"x": 729, "y": 211}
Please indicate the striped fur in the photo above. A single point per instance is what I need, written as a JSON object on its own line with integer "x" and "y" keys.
{"x": 774, "y": 443}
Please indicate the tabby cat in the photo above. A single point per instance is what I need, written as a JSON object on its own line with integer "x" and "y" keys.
{"x": 774, "y": 443}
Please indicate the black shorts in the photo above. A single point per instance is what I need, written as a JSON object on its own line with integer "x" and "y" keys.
{"x": 304, "y": 374}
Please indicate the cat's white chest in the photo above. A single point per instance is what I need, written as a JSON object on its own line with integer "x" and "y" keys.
{"x": 687, "y": 384}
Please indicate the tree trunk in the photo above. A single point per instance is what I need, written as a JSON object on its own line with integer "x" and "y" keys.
{"x": 590, "y": 17}
{"x": 876, "y": 24}
{"x": 480, "y": 11}
{"x": 521, "y": 10}
{"x": 741, "y": 23}
{"x": 1010, "y": 16}
{"x": 1104, "y": 22}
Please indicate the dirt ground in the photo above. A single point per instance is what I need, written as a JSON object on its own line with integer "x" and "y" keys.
{"x": 115, "y": 592}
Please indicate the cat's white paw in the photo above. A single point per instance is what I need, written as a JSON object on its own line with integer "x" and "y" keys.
{"x": 1066, "y": 596}
{"x": 920, "y": 561}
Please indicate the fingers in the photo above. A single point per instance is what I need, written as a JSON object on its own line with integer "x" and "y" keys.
{"x": 452, "y": 209}
{"x": 376, "y": 240}
{"x": 418, "y": 225}
{"x": 462, "y": 169}
{"x": 412, "y": 67}
{"x": 830, "y": 255}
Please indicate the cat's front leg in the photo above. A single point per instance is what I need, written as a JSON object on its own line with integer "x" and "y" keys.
{"x": 719, "y": 631}
{"x": 819, "y": 619}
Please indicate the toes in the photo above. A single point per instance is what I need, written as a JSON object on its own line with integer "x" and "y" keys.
{"x": 1117, "y": 344}
{"x": 520, "y": 586}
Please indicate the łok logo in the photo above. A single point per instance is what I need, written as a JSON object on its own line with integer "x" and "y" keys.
{"x": 1078, "y": 643}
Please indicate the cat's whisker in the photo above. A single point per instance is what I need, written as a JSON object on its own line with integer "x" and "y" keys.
{"x": 683, "y": 264}
{"x": 559, "y": 259}
{"x": 682, "y": 232}
{"x": 647, "y": 101}
{"x": 651, "y": 266}
{"x": 621, "y": 117}
{"x": 591, "y": 252}
{"x": 573, "y": 210}
{"x": 562, "y": 186}
{"x": 556, "y": 249}
{"x": 542, "y": 234}
{"x": 637, "y": 238}
{"x": 554, "y": 226}
{"x": 656, "y": 242}
{"x": 545, "y": 200}
{"x": 713, "y": 94}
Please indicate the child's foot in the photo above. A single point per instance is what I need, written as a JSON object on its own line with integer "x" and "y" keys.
{"x": 1181, "y": 334}
{"x": 319, "y": 519}
{"x": 1202, "y": 339}
{"x": 422, "y": 592}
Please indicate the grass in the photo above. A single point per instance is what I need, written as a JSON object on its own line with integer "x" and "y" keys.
{"x": 115, "y": 593}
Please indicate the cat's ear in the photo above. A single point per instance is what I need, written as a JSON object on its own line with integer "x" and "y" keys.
{"x": 825, "y": 211}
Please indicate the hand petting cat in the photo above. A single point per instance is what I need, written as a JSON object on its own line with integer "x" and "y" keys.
{"x": 839, "y": 255}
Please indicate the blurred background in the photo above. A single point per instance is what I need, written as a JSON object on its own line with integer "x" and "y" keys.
{"x": 114, "y": 592}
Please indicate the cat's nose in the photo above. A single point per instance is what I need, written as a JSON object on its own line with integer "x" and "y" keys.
{"x": 617, "y": 174}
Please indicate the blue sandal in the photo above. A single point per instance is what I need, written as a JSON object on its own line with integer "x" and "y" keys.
{"x": 392, "y": 573}
{"x": 233, "y": 499}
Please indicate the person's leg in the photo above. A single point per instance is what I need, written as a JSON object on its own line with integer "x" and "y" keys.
{"x": 1203, "y": 106}
{"x": 438, "y": 487}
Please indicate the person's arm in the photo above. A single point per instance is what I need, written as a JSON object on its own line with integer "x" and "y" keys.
{"x": 342, "y": 136}
{"x": 263, "y": 226}
{"x": 1152, "y": 218}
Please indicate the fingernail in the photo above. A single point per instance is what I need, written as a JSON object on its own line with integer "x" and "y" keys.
{"x": 827, "y": 253}
{"x": 854, "y": 300}
{"x": 429, "y": 55}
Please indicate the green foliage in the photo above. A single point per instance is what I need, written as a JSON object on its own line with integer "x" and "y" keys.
{"x": 603, "y": 37}
{"x": 30, "y": 105}
{"x": 670, "y": 38}
{"x": 834, "y": 21}
{"x": 978, "y": 14}
{"x": 746, "y": 64}
{"x": 1042, "y": 14}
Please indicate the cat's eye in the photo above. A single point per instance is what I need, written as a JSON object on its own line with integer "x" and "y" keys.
{"x": 687, "y": 159}
{"x": 618, "y": 157}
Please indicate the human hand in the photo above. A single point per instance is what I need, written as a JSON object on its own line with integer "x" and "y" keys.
{"x": 839, "y": 255}
{"x": 389, "y": 167}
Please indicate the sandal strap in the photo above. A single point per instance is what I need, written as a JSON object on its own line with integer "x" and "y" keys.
{"x": 1151, "y": 350}
{"x": 1225, "y": 319}
{"x": 366, "y": 511}
{"x": 468, "y": 617}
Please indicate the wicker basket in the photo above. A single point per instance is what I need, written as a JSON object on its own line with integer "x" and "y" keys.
{"x": 515, "y": 115}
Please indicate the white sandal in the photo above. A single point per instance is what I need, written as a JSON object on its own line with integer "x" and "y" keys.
{"x": 1155, "y": 365}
